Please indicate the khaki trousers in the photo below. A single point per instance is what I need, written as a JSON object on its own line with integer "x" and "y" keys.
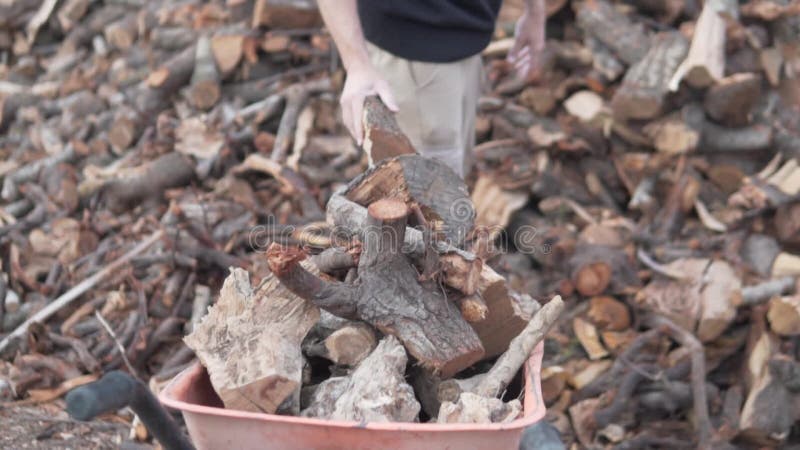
{"x": 437, "y": 103}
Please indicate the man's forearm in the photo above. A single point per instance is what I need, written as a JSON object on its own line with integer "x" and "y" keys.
{"x": 537, "y": 8}
{"x": 341, "y": 18}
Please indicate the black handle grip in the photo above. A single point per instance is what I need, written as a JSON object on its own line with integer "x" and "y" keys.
{"x": 116, "y": 390}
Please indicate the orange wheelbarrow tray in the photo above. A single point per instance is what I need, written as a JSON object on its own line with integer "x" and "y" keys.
{"x": 213, "y": 427}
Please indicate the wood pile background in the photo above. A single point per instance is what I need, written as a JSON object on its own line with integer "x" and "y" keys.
{"x": 650, "y": 178}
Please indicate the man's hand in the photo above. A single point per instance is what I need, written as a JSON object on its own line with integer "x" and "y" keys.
{"x": 526, "y": 55}
{"x": 362, "y": 82}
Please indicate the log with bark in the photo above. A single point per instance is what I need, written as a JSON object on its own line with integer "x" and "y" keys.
{"x": 430, "y": 327}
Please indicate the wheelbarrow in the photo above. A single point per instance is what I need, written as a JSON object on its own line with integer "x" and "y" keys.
{"x": 213, "y": 427}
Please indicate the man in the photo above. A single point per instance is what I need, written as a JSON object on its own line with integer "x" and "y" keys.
{"x": 422, "y": 58}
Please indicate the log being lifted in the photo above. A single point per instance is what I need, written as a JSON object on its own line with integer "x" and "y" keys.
{"x": 440, "y": 193}
{"x": 645, "y": 85}
{"x": 507, "y": 313}
{"x": 250, "y": 344}
{"x": 614, "y": 29}
{"x": 705, "y": 62}
{"x": 383, "y": 137}
{"x": 388, "y": 295}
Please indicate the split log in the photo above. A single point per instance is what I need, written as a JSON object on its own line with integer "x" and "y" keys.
{"x": 732, "y": 98}
{"x": 440, "y": 193}
{"x": 784, "y": 316}
{"x": 645, "y": 85}
{"x": 149, "y": 183}
{"x": 614, "y": 29}
{"x": 375, "y": 392}
{"x": 250, "y": 344}
{"x": 204, "y": 90}
{"x": 347, "y": 346}
{"x": 705, "y": 62}
{"x": 588, "y": 337}
{"x": 382, "y": 135}
{"x": 283, "y": 14}
{"x": 768, "y": 413}
{"x": 228, "y": 50}
{"x": 430, "y": 327}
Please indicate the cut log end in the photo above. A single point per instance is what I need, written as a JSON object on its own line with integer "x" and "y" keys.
{"x": 388, "y": 209}
{"x": 281, "y": 258}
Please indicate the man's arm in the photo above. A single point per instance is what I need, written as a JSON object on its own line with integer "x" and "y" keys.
{"x": 526, "y": 55}
{"x": 341, "y": 18}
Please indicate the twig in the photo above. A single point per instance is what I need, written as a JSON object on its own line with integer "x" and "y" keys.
{"x": 657, "y": 267}
{"x": 761, "y": 292}
{"x": 113, "y": 335}
{"x": 75, "y": 293}
{"x": 697, "y": 376}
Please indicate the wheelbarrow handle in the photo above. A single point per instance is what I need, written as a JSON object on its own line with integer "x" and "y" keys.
{"x": 116, "y": 390}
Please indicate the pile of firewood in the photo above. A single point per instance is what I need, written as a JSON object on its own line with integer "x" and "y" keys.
{"x": 649, "y": 178}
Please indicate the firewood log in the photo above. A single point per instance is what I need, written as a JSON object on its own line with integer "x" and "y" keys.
{"x": 286, "y": 14}
{"x": 172, "y": 38}
{"x": 768, "y": 412}
{"x": 382, "y": 135}
{"x": 430, "y": 327}
{"x": 730, "y": 101}
{"x": 122, "y": 33}
{"x": 627, "y": 40}
{"x": 428, "y": 182}
{"x": 250, "y": 344}
{"x": 508, "y": 313}
{"x": 170, "y": 170}
{"x": 644, "y": 87}
{"x": 705, "y": 62}
{"x": 204, "y": 90}
{"x": 716, "y": 138}
{"x": 165, "y": 82}
{"x": 296, "y": 97}
{"x": 595, "y": 268}
{"x": 347, "y": 346}
{"x": 480, "y": 403}
{"x": 375, "y": 392}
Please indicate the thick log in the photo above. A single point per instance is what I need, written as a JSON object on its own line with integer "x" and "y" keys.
{"x": 375, "y": 392}
{"x": 149, "y": 183}
{"x": 614, "y": 29}
{"x": 382, "y": 135}
{"x": 645, "y": 85}
{"x": 204, "y": 90}
{"x": 440, "y": 193}
{"x": 784, "y": 316}
{"x": 705, "y": 62}
{"x": 732, "y": 98}
{"x": 431, "y": 328}
{"x": 126, "y": 129}
{"x": 250, "y": 344}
